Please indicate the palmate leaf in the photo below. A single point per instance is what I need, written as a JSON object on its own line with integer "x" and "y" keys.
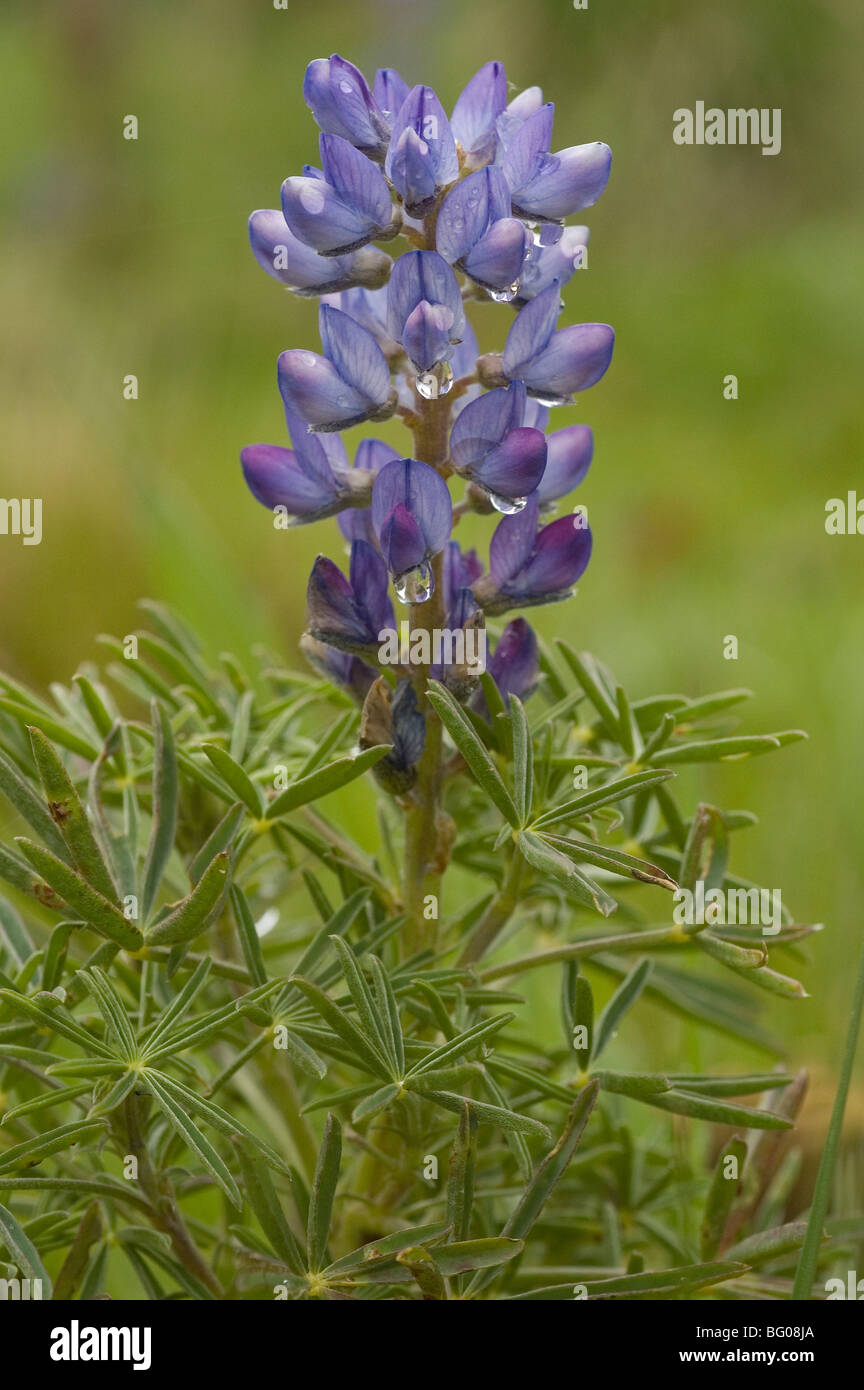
{"x": 543, "y": 855}
{"x": 476, "y": 755}
{"x": 193, "y": 1138}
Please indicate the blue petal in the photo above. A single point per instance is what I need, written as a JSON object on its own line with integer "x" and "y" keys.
{"x": 317, "y": 216}
{"x": 410, "y": 168}
{"x": 422, "y": 113}
{"x": 312, "y": 388}
{"x": 401, "y": 539}
{"x": 575, "y": 359}
{"x": 497, "y": 261}
{"x": 531, "y": 331}
{"x": 526, "y": 146}
{"x": 389, "y": 90}
{"x": 276, "y": 478}
{"x": 512, "y": 543}
{"x": 422, "y": 491}
{"x": 559, "y": 261}
{"x": 419, "y": 276}
{"x": 337, "y": 94}
{"x": 356, "y": 180}
{"x": 515, "y": 467}
{"x": 561, "y": 554}
{"x": 369, "y": 582}
{"x": 477, "y": 109}
{"x": 355, "y": 354}
{"x": 515, "y": 663}
{"x": 484, "y": 422}
{"x": 568, "y": 458}
{"x": 333, "y": 612}
{"x": 278, "y": 251}
{"x": 426, "y": 335}
{"x": 565, "y": 182}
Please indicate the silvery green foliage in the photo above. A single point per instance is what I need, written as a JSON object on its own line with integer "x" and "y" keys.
{"x": 200, "y": 961}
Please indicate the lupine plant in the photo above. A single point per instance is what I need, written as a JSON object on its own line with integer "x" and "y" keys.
{"x": 247, "y": 1051}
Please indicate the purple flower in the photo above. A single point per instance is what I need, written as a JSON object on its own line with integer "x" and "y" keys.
{"x": 458, "y": 571}
{"x": 349, "y": 613}
{"x": 477, "y": 110}
{"x": 514, "y": 665}
{"x": 340, "y": 667}
{"x": 568, "y": 457}
{"x": 421, "y": 157}
{"x": 371, "y": 456}
{"x": 339, "y": 98}
{"x": 389, "y": 90}
{"x": 475, "y": 232}
{"x": 424, "y": 308}
{"x": 310, "y": 480}
{"x": 558, "y": 261}
{"x": 349, "y": 384}
{"x": 490, "y": 446}
{"x": 412, "y": 516}
{"x": 555, "y": 365}
{"x": 513, "y": 116}
{"x": 527, "y": 566}
{"x": 277, "y": 250}
{"x": 369, "y": 309}
{"x": 551, "y": 186}
{"x": 345, "y": 209}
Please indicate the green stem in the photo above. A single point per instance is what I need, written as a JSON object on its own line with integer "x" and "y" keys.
{"x": 497, "y": 914}
{"x": 825, "y": 1177}
{"x": 630, "y": 941}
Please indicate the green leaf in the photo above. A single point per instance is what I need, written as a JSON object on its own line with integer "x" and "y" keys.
{"x": 75, "y": 1265}
{"x": 489, "y": 1114}
{"x": 215, "y": 1116}
{"x": 236, "y": 777}
{"x": 639, "y": 1085}
{"x": 763, "y": 1246}
{"x": 806, "y": 1270}
{"x": 165, "y": 793}
{"x": 458, "y": 1258}
{"x": 249, "y": 938}
{"x": 706, "y": 852}
{"x": 24, "y": 1253}
{"x": 111, "y": 1007}
{"x": 373, "y": 1104}
{"x": 178, "y": 1007}
{"x": 523, "y": 760}
{"x": 426, "y": 1272}
{"x": 95, "y": 909}
{"x": 666, "y": 1282}
{"x": 554, "y": 1165}
{"x": 221, "y": 838}
{"x": 721, "y": 1197}
{"x": 623, "y": 999}
{"x": 193, "y": 1138}
{"x": 703, "y": 1108}
{"x": 14, "y": 933}
{"x": 586, "y": 671}
{"x": 375, "y": 1024}
{"x": 47, "y": 1101}
{"x": 458, "y": 1046}
{"x": 460, "y": 1181}
{"x": 265, "y": 1203}
{"x": 70, "y": 817}
{"x": 376, "y": 1251}
{"x": 583, "y": 1018}
{"x": 476, "y": 755}
{"x": 54, "y": 1141}
{"x": 718, "y": 749}
{"x": 542, "y": 855}
{"x": 194, "y": 914}
{"x": 344, "y": 1027}
{"x": 32, "y": 717}
{"x": 323, "y": 1193}
{"x": 57, "y": 1022}
{"x": 326, "y": 780}
{"x": 30, "y": 807}
{"x": 592, "y": 800}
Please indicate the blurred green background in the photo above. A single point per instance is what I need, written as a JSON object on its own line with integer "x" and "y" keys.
{"x": 131, "y": 257}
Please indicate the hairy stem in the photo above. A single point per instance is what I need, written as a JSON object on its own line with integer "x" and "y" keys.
{"x": 497, "y": 914}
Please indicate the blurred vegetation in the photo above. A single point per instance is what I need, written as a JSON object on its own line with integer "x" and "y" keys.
{"x": 131, "y": 257}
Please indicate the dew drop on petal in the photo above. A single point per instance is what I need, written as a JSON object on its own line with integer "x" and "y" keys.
{"x": 435, "y": 383}
{"x": 508, "y": 506}
{"x": 415, "y": 585}
{"x": 344, "y": 85}
{"x": 505, "y": 296}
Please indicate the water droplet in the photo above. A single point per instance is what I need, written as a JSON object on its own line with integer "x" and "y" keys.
{"x": 436, "y": 382}
{"x": 549, "y": 400}
{"x": 345, "y": 86}
{"x": 415, "y": 586}
{"x": 310, "y": 360}
{"x": 508, "y": 506}
{"x": 505, "y": 296}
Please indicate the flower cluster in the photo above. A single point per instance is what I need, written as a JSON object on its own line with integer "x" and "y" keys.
{"x": 481, "y": 200}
